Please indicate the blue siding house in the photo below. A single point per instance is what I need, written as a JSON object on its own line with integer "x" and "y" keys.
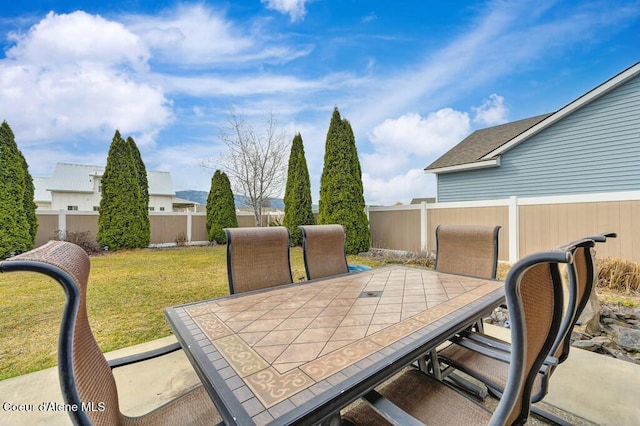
{"x": 590, "y": 145}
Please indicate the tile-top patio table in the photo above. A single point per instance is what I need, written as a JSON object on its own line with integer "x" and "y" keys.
{"x": 301, "y": 352}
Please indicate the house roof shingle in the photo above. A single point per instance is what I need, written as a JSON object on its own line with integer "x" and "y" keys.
{"x": 483, "y": 141}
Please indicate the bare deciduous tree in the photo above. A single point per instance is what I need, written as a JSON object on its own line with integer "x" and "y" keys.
{"x": 255, "y": 163}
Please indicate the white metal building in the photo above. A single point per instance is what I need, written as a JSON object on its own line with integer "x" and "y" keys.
{"x": 77, "y": 187}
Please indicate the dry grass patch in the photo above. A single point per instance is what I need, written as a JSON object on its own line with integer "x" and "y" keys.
{"x": 618, "y": 275}
{"x": 503, "y": 270}
{"x": 127, "y": 296}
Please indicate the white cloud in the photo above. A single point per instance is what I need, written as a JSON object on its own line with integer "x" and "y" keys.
{"x": 253, "y": 86}
{"x": 211, "y": 85}
{"x": 146, "y": 139}
{"x": 197, "y": 36}
{"x": 78, "y": 38}
{"x": 369, "y": 18}
{"x": 77, "y": 75}
{"x": 399, "y": 188}
{"x": 384, "y": 162}
{"x": 192, "y": 34}
{"x": 294, "y": 8}
{"x": 401, "y": 143}
{"x": 183, "y": 162}
{"x": 419, "y": 135}
{"x": 389, "y": 172}
{"x": 491, "y": 112}
{"x": 398, "y": 142}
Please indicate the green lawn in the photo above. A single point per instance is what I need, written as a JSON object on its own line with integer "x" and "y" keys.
{"x": 128, "y": 292}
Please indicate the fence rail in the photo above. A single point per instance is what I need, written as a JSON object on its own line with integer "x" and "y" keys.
{"x": 528, "y": 224}
{"x": 167, "y": 228}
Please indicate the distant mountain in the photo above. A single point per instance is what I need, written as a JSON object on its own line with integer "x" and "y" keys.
{"x": 240, "y": 200}
{"x": 199, "y": 197}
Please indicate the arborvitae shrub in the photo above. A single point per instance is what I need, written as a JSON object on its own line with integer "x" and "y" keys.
{"x": 122, "y": 208}
{"x": 341, "y": 192}
{"x": 15, "y": 236}
{"x": 221, "y": 209}
{"x": 297, "y": 197}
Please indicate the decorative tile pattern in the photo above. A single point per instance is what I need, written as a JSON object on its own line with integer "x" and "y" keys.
{"x": 337, "y": 360}
{"x": 291, "y": 343}
{"x": 271, "y": 387}
{"x": 240, "y": 356}
{"x": 212, "y": 326}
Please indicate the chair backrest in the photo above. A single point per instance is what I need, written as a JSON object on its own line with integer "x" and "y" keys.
{"x": 584, "y": 274}
{"x": 257, "y": 258}
{"x": 467, "y": 250}
{"x": 533, "y": 290}
{"x": 85, "y": 375}
{"x": 324, "y": 250}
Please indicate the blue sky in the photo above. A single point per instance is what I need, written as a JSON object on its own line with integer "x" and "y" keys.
{"x": 413, "y": 77}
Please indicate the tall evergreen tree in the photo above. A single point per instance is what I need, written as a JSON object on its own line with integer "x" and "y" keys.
{"x": 296, "y": 147}
{"x": 120, "y": 224}
{"x": 341, "y": 192}
{"x": 297, "y": 196}
{"x": 143, "y": 180}
{"x": 221, "y": 208}
{"x": 15, "y": 234}
{"x": 30, "y": 205}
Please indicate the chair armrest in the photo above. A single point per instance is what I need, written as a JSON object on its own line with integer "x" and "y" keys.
{"x": 493, "y": 343}
{"x": 549, "y": 362}
{"x": 602, "y": 238}
{"x": 143, "y": 356}
{"x": 484, "y": 350}
{"x": 390, "y": 411}
{"x": 483, "y": 339}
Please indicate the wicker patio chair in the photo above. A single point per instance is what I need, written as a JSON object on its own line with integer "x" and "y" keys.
{"x": 324, "y": 250}
{"x": 257, "y": 258}
{"x": 485, "y": 357}
{"x": 85, "y": 375}
{"x": 467, "y": 250}
{"x": 534, "y": 293}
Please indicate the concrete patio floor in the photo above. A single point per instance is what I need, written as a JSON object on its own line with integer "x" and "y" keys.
{"x": 586, "y": 389}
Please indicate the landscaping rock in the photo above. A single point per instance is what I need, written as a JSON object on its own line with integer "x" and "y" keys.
{"x": 589, "y": 320}
{"x": 499, "y": 317}
{"x": 617, "y": 334}
{"x": 593, "y": 344}
{"x": 629, "y": 339}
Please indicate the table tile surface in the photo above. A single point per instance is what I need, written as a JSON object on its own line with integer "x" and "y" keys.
{"x": 282, "y": 347}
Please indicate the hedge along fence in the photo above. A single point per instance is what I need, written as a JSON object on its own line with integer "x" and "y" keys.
{"x": 167, "y": 228}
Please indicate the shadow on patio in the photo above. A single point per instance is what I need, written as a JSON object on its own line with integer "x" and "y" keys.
{"x": 587, "y": 389}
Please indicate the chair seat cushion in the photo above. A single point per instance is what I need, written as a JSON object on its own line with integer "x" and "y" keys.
{"x": 426, "y": 399}
{"x": 192, "y": 408}
{"x": 490, "y": 371}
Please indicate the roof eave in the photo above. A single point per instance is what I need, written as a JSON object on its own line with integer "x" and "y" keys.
{"x": 75, "y": 191}
{"x": 485, "y": 164}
